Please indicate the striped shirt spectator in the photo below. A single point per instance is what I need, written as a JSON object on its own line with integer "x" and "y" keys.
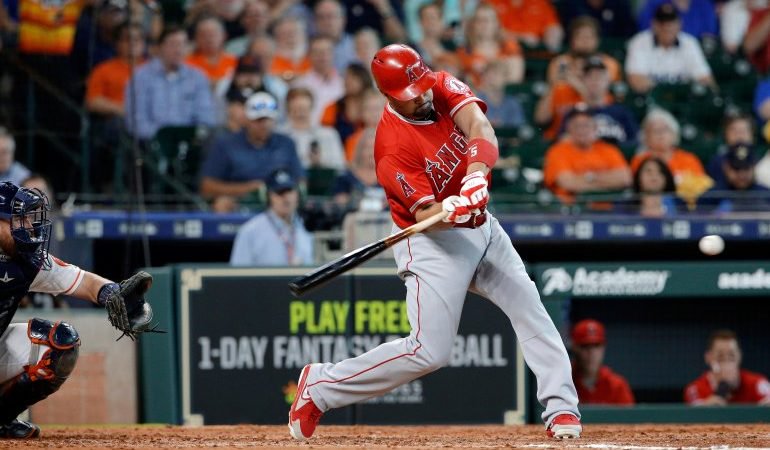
{"x": 168, "y": 91}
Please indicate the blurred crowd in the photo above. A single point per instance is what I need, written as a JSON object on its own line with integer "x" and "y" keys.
{"x": 660, "y": 103}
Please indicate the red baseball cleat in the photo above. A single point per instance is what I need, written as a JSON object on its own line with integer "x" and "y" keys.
{"x": 304, "y": 414}
{"x": 564, "y": 426}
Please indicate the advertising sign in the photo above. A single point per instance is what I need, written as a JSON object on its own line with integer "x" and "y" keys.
{"x": 244, "y": 340}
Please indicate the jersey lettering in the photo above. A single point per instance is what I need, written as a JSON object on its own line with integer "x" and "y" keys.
{"x": 459, "y": 142}
{"x": 408, "y": 190}
{"x": 438, "y": 176}
{"x": 448, "y": 158}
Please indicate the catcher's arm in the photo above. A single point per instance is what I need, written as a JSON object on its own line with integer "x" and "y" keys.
{"x": 89, "y": 287}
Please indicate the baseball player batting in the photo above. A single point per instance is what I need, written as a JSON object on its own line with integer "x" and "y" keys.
{"x": 38, "y": 356}
{"x": 434, "y": 150}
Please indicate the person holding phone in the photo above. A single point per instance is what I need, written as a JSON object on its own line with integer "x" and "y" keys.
{"x": 725, "y": 382}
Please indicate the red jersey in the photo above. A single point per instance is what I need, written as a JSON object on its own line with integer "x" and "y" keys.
{"x": 421, "y": 161}
{"x": 610, "y": 389}
{"x": 754, "y": 388}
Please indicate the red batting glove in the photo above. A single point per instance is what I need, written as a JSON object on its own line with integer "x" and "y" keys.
{"x": 458, "y": 210}
{"x": 474, "y": 189}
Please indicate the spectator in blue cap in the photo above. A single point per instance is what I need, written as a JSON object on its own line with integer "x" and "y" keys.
{"x": 238, "y": 163}
{"x": 739, "y": 191}
{"x": 277, "y": 237}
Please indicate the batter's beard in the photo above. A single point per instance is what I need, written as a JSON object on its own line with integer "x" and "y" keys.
{"x": 429, "y": 114}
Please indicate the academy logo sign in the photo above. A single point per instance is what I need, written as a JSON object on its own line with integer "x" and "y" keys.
{"x": 556, "y": 279}
{"x": 620, "y": 281}
{"x": 758, "y": 279}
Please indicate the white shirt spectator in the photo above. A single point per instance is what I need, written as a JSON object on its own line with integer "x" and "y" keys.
{"x": 326, "y": 140}
{"x": 266, "y": 240}
{"x": 680, "y": 63}
{"x": 733, "y": 23}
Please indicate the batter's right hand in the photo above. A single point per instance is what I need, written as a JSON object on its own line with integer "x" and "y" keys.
{"x": 458, "y": 210}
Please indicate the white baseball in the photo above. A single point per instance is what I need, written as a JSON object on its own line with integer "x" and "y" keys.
{"x": 711, "y": 245}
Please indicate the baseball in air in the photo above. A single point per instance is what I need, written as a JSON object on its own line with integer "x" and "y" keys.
{"x": 711, "y": 245}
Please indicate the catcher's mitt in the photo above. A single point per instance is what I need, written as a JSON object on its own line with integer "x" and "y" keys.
{"x": 127, "y": 309}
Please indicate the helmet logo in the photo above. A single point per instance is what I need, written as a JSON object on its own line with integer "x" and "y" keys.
{"x": 415, "y": 71}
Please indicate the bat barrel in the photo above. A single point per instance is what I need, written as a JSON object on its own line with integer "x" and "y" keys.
{"x": 312, "y": 280}
{"x": 323, "y": 274}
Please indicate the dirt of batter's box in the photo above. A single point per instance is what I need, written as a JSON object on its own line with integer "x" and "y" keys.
{"x": 636, "y": 437}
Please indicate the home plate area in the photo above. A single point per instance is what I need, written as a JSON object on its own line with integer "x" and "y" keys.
{"x": 663, "y": 437}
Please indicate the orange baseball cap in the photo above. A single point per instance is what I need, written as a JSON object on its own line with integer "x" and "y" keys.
{"x": 587, "y": 332}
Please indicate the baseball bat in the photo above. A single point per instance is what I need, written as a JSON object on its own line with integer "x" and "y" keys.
{"x": 321, "y": 275}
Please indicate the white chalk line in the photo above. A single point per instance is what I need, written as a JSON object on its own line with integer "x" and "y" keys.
{"x": 641, "y": 447}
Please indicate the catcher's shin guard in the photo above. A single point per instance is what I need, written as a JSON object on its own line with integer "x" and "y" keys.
{"x": 42, "y": 379}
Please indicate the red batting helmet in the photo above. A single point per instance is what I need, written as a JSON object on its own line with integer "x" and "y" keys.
{"x": 401, "y": 73}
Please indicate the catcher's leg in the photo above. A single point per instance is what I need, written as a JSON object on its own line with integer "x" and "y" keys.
{"x": 51, "y": 350}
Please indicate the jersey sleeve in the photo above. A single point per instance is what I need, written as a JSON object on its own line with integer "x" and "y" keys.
{"x": 762, "y": 390}
{"x": 60, "y": 278}
{"x": 404, "y": 182}
{"x": 454, "y": 94}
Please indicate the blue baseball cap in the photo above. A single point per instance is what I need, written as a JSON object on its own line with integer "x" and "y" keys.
{"x": 281, "y": 180}
{"x": 741, "y": 157}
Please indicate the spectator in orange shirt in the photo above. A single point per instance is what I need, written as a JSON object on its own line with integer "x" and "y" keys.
{"x": 531, "y": 22}
{"x": 484, "y": 42}
{"x": 592, "y": 87}
{"x": 583, "y": 44}
{"x": 105, "y": 100}
{"x": 660, "y": 137}
{"x": 581, "y": 163}
{"x": 209, "y": 54}
{"x": 725, "y": 382}
{"x": 290, "y": 58}
{"x": 106, "y": 85}
{"x": 595, "y": 383}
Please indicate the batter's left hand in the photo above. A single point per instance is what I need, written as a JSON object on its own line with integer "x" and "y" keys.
{"x": 474, "y": 189}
